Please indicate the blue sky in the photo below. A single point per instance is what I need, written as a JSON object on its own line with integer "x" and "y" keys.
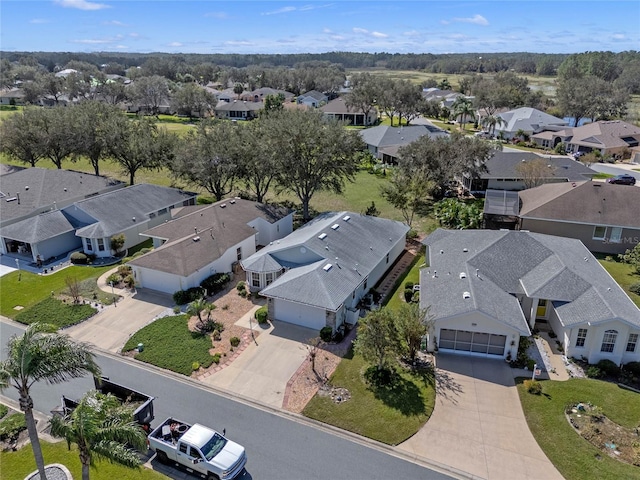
{"x": 315, "y": 26}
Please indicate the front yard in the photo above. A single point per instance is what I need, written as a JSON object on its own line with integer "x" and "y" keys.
{"x": 574, "y": 457}
{"x": 623, "y": 274}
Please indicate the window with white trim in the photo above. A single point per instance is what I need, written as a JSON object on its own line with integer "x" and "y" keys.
{"x": 89, "y": 244}
{"x": 269, "y": 278}
{"x": 599, "y": 232}
{"x": 255, "y": 279}
{"x": 239, "y": 253}
{"x": 582, "y": 336}
{"x": 609, "y": 341}
{"x": 632, "y": 342}
{"x": 101, "y": 244}
{"x": 616, "y": 235}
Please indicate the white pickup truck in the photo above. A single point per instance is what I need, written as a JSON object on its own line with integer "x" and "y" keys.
{"x": 197, "y": 448}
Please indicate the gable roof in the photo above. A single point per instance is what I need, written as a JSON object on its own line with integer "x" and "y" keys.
{"x": 338, "y": 105}
{"x": 353, "y": 248}
{"x": 42, "y": 227}
{"x": 527, "y": 119}
{"x": 40, "y": 189}
{"x": 602, "y": 135}
{"x": 198, "y": 235}
{"x": 116, "y": 211}
{"x": 385, "y": 136}
{"x": 595, "y": 203}
{"x": 316, "y": 95}
{"x": 501, "y": 264}
{"x": 504, "y": 165}
{"x": 238, "y": 106}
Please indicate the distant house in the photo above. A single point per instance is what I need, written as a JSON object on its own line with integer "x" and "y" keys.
{"x": 13, "y": 96}
{"x": 237, "y": 110}
{"x": 528, "y": 120}
{"x": 446, "y": 98}
{"x": 259, "y": 94}
{"x": 313, "y": 98}
{"x": 316, "y": 276}
{"x": 202, "y": 240}
{"x": 338, "y": 110}
{"x": 602, "y": 216}
{"x": 608, "y": 137}
{"x": 487, "y": 288}
{"x": 502, "y": 171}
{"x": 384, "y": 141}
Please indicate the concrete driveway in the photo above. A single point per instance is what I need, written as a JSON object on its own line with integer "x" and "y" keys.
{"x": 114, "y": 324}
{"x": 478, "y": 425}
{"x": 263, "y": 369}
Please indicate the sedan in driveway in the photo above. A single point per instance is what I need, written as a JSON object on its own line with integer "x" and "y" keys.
{"x": 622, "y": 180}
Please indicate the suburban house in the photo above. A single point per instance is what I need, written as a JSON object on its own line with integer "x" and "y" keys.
{"x": 206, "y": 239}
{"x": 602, "y": 216}
{"x": 384, "y": 141}
{"x": 528, "y": 120}
{"x": 313, "y": 98}
{"x": 608, "y": 137}
{"x": 503, "y": 172}
{"x": 90, "y": 223}
{"x": 446, "y": 98}
{"x": 12, "y": 96}
{"x": 316, "y": 276}
{"x": 259, "y": 94}
{"x": 338, "y": 109}
{"x": 486, "y": 288}
{"x": 237, "y": 110}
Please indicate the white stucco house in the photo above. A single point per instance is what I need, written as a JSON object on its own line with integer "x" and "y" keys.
{"x": 487, "y": 288}
{"x": 206, "y": 239}
{"x": 312, "y": 98}
{"x": 316, "y": 276}
{"x": 528, "y": 120}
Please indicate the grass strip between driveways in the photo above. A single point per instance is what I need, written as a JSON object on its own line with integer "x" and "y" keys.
{"x": 411, "y": 275}
{"x": 53, "y": 311}
{"x": 389, "y": 415}
{"x": 168, "y": 343}
{"x": 573, "y": 456}
{"x": 17, "y": 465}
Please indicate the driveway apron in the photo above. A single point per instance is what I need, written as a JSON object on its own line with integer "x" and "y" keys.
{"x": 478, "y": 425}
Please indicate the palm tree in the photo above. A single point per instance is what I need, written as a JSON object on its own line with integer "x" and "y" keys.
{"x": 492, "y": 121}
{"x": 463, "y": 108}
{"x": 102, "y": 428}
{"x": 41, "y": 353}
{"x": 238, "y": 88}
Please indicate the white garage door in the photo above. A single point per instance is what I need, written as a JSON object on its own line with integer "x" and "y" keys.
{"x": 298, "y": 314}
{"x": 472, "y": 342}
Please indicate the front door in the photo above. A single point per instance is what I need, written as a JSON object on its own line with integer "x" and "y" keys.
{"x": 541, "y": 312}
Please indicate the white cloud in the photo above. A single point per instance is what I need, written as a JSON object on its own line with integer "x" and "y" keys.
{"x": 327, "y": 30}
{"x": 218, "y": 15}
{"x": 304, "y": 8}
{"x": 115, "y": 23}
{"x": 445, "y": 22}
{"x": 92, "y": 41}
{"x": 81, "y": 4}
{"x": 360, "y": 30}
{"x": 238, "y": 43}
{"x": 39, "y": 21}
{"x": 412, "y": 33}
{"x": 280, "y": 10}
{"x": 121, "y": 47}
{"x": 619, "y": 36}
{"x": 379, "y": 34}
{"x": 175, "y": 44}
{"x": 476, "y": 19}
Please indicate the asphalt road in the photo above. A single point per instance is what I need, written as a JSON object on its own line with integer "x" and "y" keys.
{"x": 604, "y": 168}
{"x": 278, "y": 446}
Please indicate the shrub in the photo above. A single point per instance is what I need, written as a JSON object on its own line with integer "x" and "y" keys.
{"x": 234, "y": 341}
{"x": 531, "y": 364}
{"x": 215, "y": 283}
{"x": 216, "y": 358}
{"x": 338, "y": 336}
{"x": 176, "y": 309}
{"x": 114, "y": 278}
{"x": 244, "y": 293}
{"x": 533, "y": 386}
{"x": 79, "y": 258}
{"x": 593, "y": 372}
{"x": 408, "y": 294}
{"x": 262, "y": 315}
{"x": 408, "y": 285}
{"x": 195, "y": 366}
{"x": 609, "y": 258}
{"x": 411, "y": 234}
{"x": 416, "y": 297}
{"x": 608, "y": 368}
{"x": 633, "y": 367}
{"x": 129, "y": 281}
{"x": 12, "y": 425}
{"x": 182, "y": 297}
{"x": 124, "y": 270}
{"x": 145, "y": 250}
{"x": 326, "y": 333}
{"x": 635, "y": 288}
{"x": 552, "y": 334}
{"x": 241, "y": 286}
{"x": 3, "y": 410}
{"x": 216, "y": 335}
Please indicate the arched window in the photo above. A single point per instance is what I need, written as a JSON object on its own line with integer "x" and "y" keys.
{"x": 609, "y": 341}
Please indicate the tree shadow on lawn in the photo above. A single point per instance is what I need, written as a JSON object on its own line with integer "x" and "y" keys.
{"x": 395, "y": 391}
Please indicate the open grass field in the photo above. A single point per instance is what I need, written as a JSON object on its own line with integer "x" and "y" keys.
{"x": 573, "y": 456}
{"x": 17, "y": 465}
{"x": 388, "y": 414}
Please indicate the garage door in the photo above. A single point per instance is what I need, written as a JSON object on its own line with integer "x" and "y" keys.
{"x": 299, "y": 314}
{"x": 472, "y": 342}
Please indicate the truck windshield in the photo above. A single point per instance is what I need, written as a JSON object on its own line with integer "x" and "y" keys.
{"x": 213, "y": 446}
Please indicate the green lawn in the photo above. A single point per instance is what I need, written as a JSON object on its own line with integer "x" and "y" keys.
{"x": 389, "y": 415}
{"x": 17, "y": 465}
{"x": 412, "y": 275}
{"x": 602, "y": 176}
{"x": 168, "y": 343}
{"x": 53, "y": 311}
{"x": 26, "y": 289}
{"x": 623, "y": 274}
{"x": 572, "y": 455}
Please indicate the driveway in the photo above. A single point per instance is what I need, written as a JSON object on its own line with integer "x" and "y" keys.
{"x": 111, "y": 328}
{"x": 478, "y": 425}
{"x": 263, "y": 369}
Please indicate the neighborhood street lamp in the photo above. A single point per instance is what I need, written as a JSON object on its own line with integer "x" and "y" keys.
{"x": 115, "y": 304}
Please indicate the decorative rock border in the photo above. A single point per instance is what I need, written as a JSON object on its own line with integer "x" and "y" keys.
{"x": 54, "y": 471}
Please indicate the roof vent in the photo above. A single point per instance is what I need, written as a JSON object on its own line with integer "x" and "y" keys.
{"x": 335, "y": 226}
{"x": 466, "y": 295}
{"x": 322, "y": 236}
{"x": 26, "y": 187}
{"x": 441, "y": 252}
{"x": 196, "y": 239}
{"x": 232, "y": 201}
{"x": 133, "y": 219}
{"x": 463, "y": 275}
{"x": 223, "y": 205}
{"x": 327, "y": 267}
{"x": 465, "y": 249}
{"x": 346, "y": 218}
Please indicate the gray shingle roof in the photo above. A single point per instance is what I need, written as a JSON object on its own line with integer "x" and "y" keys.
{"x": 384, "y": 135}
{"x": 39, "y": 228}
{"x": 555, "y": 268}
{"x": 353, "y": 249}
{"x": 504, "y": 165}
{"x": 527, "y": 119}
{"x": 114, "y": 211}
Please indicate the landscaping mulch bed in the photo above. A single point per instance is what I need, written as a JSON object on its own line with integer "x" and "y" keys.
{"x": 612, "y": 439}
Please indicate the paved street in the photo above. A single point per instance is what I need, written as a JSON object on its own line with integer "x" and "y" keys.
{"x": 279, "y": 445}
